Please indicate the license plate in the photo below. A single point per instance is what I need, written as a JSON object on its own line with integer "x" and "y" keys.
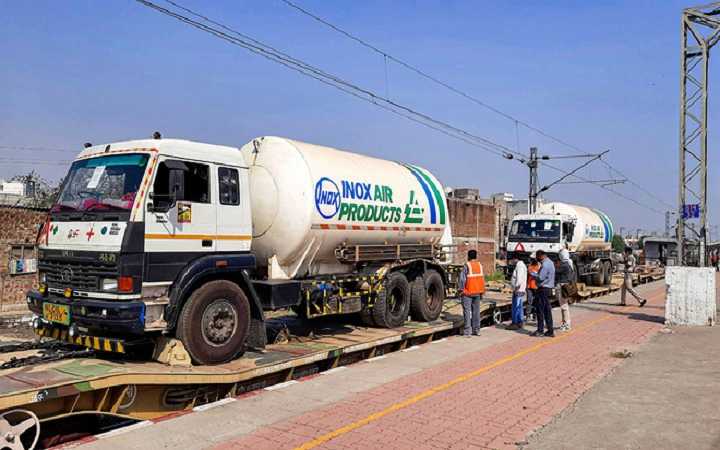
{"x": 56, "y": 313}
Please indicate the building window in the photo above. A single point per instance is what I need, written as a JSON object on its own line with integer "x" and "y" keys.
{"x": 229, "y": 183}
{"x": 22, "y": 259}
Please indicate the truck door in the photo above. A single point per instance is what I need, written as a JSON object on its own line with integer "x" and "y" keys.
{"x": 180, "y": 218}
{"x": 234, "y": 226}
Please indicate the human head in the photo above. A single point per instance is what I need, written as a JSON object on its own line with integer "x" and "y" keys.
{"x": 472, "y": 254}
{"x": 540, "y": 255}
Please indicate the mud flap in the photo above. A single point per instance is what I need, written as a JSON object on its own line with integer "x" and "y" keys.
{"x": 257, "y": 334}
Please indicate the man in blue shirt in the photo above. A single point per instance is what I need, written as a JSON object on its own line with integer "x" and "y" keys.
{"x": 546, "y": 282}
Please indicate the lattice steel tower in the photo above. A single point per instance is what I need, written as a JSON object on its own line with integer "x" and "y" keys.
{"x": 700, "y": 32}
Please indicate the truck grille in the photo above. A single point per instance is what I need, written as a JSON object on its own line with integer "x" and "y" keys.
{"x": 82, "y": 276}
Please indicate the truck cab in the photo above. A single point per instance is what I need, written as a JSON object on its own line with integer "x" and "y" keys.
{"x": 584, "y": 232}
{"x": 166, "y": 237}
{"x": 532, "y": 232}
{"x": 137, "y": 225}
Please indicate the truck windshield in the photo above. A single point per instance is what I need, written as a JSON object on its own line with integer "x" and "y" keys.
{"x": 107, "y": 184}
{"x": 535, "y": 231}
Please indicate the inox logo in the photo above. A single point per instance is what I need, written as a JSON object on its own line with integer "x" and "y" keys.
{"x": 357, "y": 190}
{"x": 327, "y": 197}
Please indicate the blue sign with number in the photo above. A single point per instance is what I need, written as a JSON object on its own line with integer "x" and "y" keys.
{"x": 691, "y": 211}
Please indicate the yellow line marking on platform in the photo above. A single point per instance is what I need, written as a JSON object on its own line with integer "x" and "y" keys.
{"x": 443, "y": 387}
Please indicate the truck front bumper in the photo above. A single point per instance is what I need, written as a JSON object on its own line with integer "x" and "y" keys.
{"x": 94, "y": 317}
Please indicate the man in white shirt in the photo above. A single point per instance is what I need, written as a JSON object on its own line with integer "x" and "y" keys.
{"x": 627, "y": 285}
{"x": 519, "y": 287}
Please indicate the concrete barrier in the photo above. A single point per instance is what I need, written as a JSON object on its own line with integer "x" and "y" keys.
{"x": 690, "y": 296}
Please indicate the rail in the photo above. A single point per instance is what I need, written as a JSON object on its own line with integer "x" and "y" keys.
{"x": 125, "y": 388}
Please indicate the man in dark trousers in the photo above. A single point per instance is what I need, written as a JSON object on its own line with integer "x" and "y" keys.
{"x": 472, "y": 283}
{"x": 546, "y": 282}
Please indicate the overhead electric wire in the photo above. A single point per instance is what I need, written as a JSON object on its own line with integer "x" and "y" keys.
{"x": 574, "y": 171}
{"x": 459, "y": 92}
{"x": 268, "y": 52}
{"x": 26, "y": 161}
{"x": 649, "y": 193}
{"x": 35, "y": 149}
{"x": 601, "y": 186}
{"x": 273, "y": 54}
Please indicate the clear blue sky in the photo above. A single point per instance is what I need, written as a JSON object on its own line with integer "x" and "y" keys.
{"x": 602, "y": 75}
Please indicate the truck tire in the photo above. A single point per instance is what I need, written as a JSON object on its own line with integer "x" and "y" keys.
{"x": 214, "y": 322}
{"x": 427, "y": 294}
{"x": 392, "y": 304}
{"x": 608, "y": 273}
{"x": 598, "y": 278}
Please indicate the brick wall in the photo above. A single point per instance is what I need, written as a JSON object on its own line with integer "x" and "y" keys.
{"x": 17, "y": 226}
{"x": 474, "y": 227}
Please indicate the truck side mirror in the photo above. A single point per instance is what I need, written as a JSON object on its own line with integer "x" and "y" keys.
{"x": 163, "y": 203}
{"x": 176, "y": 186}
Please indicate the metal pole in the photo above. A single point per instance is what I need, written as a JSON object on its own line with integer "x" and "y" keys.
{"x": 703, "y": 162}
{"x": 532, "y": 195}
{"x": 681, "y": 191}
{"x": 700, "y": 31}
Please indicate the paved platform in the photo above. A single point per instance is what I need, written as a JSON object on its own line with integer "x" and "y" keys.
{"x": 490, "y": 391}
{"x": 664, "y": 397}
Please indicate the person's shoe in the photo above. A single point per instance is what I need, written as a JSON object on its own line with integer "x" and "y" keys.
{"x": 512, "y": 326}
{"x": 549, "y": 334}
{"x": 563, "y": 327}
{"x": 642, "y": 302}
{"x": 476, "y": 333}
{"x": 536, "y": 333}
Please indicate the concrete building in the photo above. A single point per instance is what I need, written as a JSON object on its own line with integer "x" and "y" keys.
{"x": 18, "y": 254}
{"x": 474, "y": 226}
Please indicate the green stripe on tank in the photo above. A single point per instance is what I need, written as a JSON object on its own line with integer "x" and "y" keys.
{"x": 436, "y": 193}
{"x": 607, "y": 224}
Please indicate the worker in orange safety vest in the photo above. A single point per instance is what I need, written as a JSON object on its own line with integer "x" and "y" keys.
{"x": 472, "y": 283}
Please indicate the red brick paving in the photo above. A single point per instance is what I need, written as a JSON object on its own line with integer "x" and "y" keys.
{"x": 495, "y": 409}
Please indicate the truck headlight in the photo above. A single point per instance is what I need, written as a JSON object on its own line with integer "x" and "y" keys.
{"x": 109, "y": 284}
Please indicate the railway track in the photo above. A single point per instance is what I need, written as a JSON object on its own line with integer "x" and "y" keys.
{"x": 46, "y": 351}
{"x": 76, "y": 392}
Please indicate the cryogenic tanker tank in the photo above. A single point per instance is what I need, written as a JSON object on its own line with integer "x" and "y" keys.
{"x": 307, "y": 200}
{"x": 593, "y": 228}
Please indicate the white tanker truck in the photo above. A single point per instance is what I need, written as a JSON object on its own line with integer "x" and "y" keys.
{"x": 586, "y": 233}
{"x": 171, "y": 237}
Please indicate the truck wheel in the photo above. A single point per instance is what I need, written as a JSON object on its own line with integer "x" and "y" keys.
{"x": 214, "y": 322}
{"x": 392, "y": 304}
{"x": 599, "y": 277}
{"x": 608, "y": 273}
{"x": 427, "y": 294}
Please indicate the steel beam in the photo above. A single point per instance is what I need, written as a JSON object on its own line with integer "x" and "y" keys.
{"x": 700, "y": 31}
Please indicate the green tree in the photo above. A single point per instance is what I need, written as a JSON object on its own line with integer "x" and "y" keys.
{"x": 618, "y": 243}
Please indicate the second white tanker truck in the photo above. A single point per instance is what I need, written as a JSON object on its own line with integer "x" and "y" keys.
{"x": 178, "y": 238}
{"x": 586, "y": 233}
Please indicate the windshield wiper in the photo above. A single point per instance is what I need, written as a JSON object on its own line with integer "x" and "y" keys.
{"x": 110, "y": 207}
{"x": 63, "y": 207}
